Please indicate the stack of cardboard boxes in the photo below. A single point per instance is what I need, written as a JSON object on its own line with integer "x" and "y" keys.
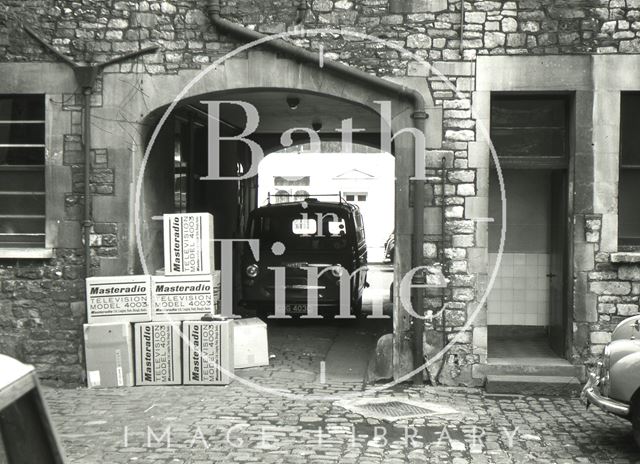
{"x": 153, "y": 325}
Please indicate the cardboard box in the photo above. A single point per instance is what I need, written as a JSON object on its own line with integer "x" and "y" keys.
{"x": 251, "y": 348}
{"x": 181, "y": 298}
{"x": 207, "y": 347}
{"x": 118, "y": 299}
{"x": 157, "y": 353}
{"x": 109, "y": 354}
{"x": 188, "y": 243}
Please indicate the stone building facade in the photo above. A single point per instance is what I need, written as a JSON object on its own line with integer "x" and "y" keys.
{"x": 578, "y": 60}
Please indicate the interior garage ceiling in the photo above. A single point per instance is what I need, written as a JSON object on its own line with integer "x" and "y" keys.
{"x": 276, "y": 116}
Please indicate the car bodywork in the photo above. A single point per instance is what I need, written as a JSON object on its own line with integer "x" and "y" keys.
{"x": 302, "y": 240}
{"x": 615, "y": 384}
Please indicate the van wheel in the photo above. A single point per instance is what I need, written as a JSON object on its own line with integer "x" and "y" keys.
{"x": 635, "y": 419}
{"x": 356, "y": 306}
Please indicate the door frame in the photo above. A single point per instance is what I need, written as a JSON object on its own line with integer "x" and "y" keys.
{"x": 565, "y": 164}
{"x": 567, "y": 250}
{"x": 561, "y": 176}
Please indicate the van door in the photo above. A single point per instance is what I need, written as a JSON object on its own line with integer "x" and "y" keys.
{"x": 360, "y": 251}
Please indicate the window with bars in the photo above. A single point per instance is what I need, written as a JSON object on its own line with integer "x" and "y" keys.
{"x": 22, "y": 185}
{"x": 629, "y": 176}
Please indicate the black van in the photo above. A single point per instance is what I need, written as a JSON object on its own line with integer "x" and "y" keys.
{"x": 301, "y": 240}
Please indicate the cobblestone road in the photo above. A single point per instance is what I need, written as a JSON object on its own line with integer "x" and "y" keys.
{"x": 238, "y": 423}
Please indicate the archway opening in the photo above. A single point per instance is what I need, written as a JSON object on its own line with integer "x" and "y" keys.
{"x": 176, "y": 181}
{"x": 365, "y": 178}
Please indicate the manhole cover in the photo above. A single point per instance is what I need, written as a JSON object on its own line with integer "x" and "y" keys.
{"x": 393, "y": 409}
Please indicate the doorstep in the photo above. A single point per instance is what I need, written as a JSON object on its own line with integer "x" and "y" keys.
{"x": 543, "y": 385}
{"x": 534, "y": 376}
{"x": 532, "y": 366}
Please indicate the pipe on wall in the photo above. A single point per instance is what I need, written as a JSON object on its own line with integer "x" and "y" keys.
{"x": 301, "y": 12}
{"x": 443, "y": 233}
{"x": 462, "y": 13}
{"x": 87, "y": 222}
{"x": 419, "y": 115}
{"x": 420, "y": 122}
{"x": 86, "y": 76}
{"x": 302, "y": 55}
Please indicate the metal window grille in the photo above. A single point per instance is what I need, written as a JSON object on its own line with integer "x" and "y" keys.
{"x": 22, "y": 157}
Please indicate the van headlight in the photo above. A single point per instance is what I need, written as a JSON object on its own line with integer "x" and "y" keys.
{"x": 252, "y": 271}
{"x": 336, "y": 270}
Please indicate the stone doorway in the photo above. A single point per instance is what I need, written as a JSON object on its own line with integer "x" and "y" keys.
{"x": 526, "y": 307}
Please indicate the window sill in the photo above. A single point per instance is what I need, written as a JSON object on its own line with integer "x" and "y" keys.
{"x": 26, "y": 253}
{"x": 626, "y": 257}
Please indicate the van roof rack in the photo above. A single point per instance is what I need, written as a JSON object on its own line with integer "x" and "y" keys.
{"x": 309, "y": 198}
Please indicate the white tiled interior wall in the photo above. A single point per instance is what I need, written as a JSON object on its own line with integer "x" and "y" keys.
{"x": 520, "y": 295}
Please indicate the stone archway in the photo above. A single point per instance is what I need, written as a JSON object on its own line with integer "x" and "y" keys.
{"x": 264, "y": 70}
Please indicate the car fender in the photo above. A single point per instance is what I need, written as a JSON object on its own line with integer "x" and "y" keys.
{"x": 626, "y": 329}
{"x": 624, "y": 376}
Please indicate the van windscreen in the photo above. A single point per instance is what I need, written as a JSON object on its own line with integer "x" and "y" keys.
{"x": 313, "y": 231}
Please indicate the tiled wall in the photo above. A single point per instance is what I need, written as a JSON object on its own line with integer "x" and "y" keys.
{"x": 520, "y": 295}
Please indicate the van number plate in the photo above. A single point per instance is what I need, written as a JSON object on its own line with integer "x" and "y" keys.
{"x": 296, "y": 309}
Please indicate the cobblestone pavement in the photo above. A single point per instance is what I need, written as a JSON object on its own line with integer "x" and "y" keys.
{"x": 301, "y": 424}
{"x": 238, "y": 423}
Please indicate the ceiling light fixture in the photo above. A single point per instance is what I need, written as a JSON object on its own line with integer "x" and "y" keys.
{"x": 293, "y": 102}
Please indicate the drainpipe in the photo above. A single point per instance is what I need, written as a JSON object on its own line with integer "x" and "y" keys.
{"x": 443, "y": 232}
{"x": 87, "y": 222}
{"x": 417, "y": 258}
{"x": 419, "y": 116}
{"x": 301, "y": 12}
{"x": 302, "y": 55}
{"x": 462, "y": 12}
{"x": 86, "y": 76}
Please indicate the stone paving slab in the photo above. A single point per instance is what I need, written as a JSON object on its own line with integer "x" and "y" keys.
{"x": 237, "y": 424}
